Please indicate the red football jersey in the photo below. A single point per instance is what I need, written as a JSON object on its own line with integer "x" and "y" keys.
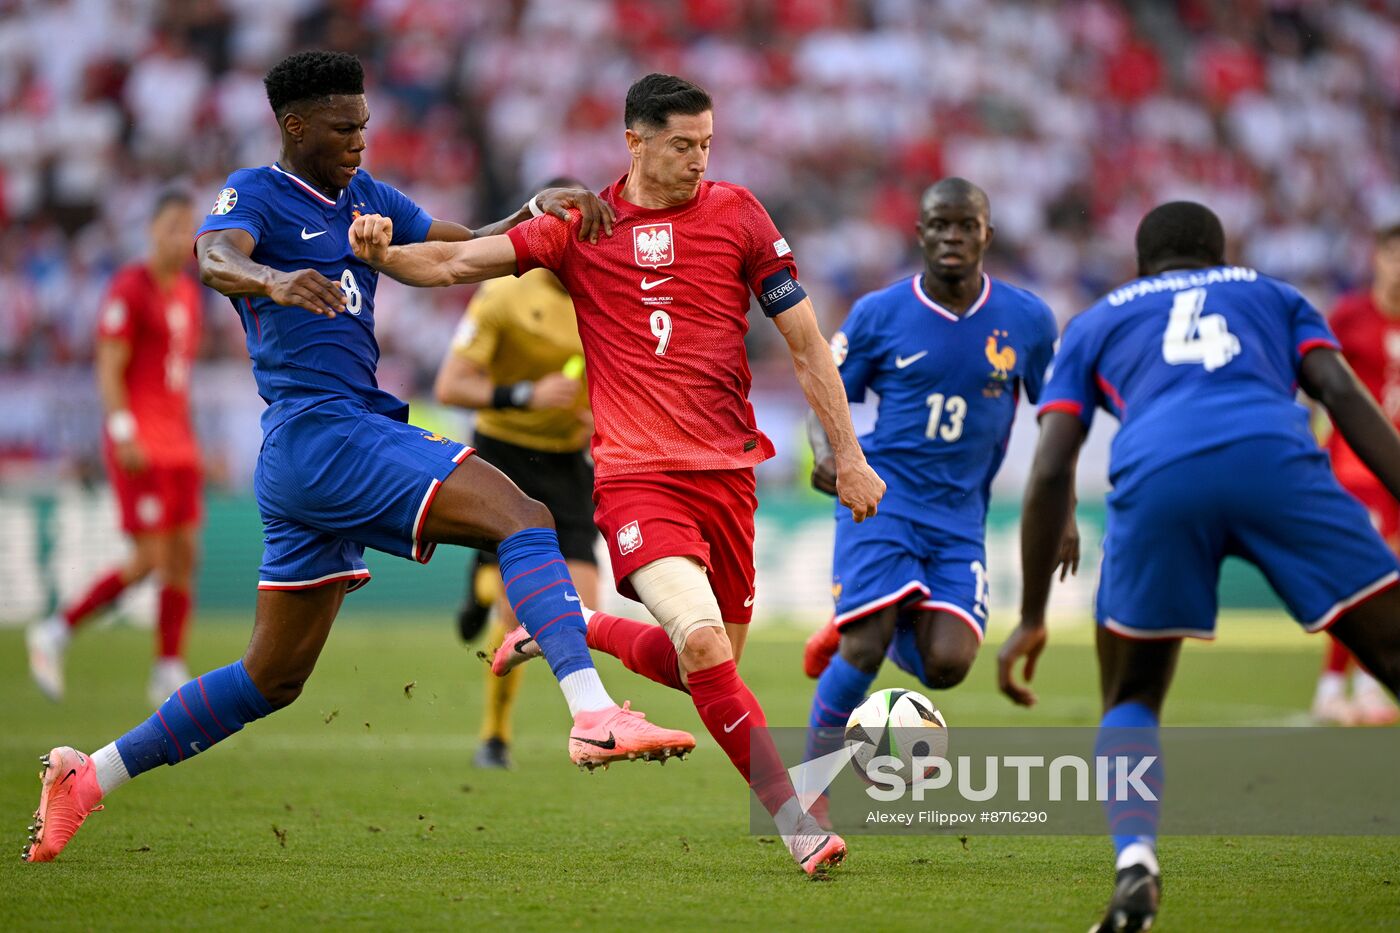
{"x": 662, "y": 310}
{"x": 1371, "y": 344}
{"x": 162, "y": 326}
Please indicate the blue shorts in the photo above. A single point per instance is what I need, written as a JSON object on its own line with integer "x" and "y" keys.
{"x": 886, "y": 560}
{"x": 337, "y": 479}
{"x": 1270, "y": 500}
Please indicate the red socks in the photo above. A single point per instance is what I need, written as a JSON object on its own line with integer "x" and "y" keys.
{"x": 1338, "y": 658}
{"x": 642, "y": 647}
{"x": 726, "y": 706}
{"x": 99, "y": 595}
{"x": 172, "y": 620}
{"x": 730, "y": 712}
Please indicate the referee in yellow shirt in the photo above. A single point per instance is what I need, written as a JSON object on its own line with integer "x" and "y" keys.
{"x": 517, "y": 360}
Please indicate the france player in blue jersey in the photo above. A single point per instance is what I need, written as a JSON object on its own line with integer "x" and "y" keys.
{"x": 948, "y": 351}
{"x": 1200, "y": 362}
{"x": 341, "y": 469}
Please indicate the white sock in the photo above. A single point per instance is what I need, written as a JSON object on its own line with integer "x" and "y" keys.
{"x": 584, "y": 692}
{"x": 587, "y": 614}
{"x": 1138, "y": 853}
{"x": 1330, "y": 686}
{"x": 57, "y": 628}
{"x": 789, "y": 817}
{"x": 111, "y": 770}
{"x": 1362, "y": 682}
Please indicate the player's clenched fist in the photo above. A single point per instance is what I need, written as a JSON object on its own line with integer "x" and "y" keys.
{"x": 859, "y": 488}
{"x": 370, "y": 236}
{"x": 309, "y": 289}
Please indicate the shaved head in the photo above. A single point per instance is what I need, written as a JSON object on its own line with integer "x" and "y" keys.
{"x": 956, "y": 190}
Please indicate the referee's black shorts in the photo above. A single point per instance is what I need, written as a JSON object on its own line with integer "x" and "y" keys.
{"x": 562, "y": 481}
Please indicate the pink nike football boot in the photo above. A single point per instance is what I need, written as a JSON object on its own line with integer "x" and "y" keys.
{"x": 70, "y": 793}
{"x": 603, "y": 736}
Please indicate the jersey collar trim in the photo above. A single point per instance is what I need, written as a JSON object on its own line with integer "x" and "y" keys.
{"x": 309, "y": 189}
{"x": 918, "y": 282}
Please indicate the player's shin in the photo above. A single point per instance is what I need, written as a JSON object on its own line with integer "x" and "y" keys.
{"x": 1130, "y": 741}
{"x": 731, "y": 713}
{"x": 840, "y": 689}
{"x": 201, "y": 713}
{"x": 543, "y": 597}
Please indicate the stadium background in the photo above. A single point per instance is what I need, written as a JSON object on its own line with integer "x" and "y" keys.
{"x": 1075, "y": 116}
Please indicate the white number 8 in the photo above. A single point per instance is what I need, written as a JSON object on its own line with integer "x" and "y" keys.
{"x": 354, "y": 298}
{"x": 661, "y": 330}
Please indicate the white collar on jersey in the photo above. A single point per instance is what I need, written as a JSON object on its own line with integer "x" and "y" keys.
{"x": 306, "y": 186}
{"x": 935, "y": 306}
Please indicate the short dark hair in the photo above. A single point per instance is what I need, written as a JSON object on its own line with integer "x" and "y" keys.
{"x": 652, "y": 100}
{"x": 308, "y": 76}
{"x": 1387, "y": 233}
{"x": 562, "y": 181}
{"x": 1181, "y": 230}
{"x": 170, "y": 197}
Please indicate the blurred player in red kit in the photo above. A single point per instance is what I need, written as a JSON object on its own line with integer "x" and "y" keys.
{"x": 1367, "y": 324}
{"x": 662, "y": 311}
{"x": 147, "y": 338}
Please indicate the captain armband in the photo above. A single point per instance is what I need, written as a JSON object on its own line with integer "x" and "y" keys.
{"x": 780, "y": 291}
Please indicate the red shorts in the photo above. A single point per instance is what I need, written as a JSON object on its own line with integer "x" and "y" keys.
{"x": 703, "y": 514}
{"x": 159, "y": 498}
{"x": 1383, "y": 509}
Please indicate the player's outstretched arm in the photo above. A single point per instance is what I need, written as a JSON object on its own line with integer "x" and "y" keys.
{"x": 857, "y": 485}
{"x": 596, "y": 216}
{"x": 1325, "y": 375}
{"x": 225, "y": 265}
{"x": 1048, "y": 505}
{"x": 430, "y": 265}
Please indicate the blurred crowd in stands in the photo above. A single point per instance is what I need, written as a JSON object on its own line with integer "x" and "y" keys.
{"x": 1075, "y": 115}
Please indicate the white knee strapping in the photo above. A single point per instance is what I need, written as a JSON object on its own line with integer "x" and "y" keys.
{"x": 677, "y": 592}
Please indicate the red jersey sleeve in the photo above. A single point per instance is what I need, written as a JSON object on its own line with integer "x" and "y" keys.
{"x": 119, "y": 317}
{"x": 767, "y": 252}
{"x": 1347, "y": 324}
{"x": 542, "y": 242}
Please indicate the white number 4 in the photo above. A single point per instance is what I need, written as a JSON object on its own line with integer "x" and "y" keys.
{"x": 1195, "y": 338}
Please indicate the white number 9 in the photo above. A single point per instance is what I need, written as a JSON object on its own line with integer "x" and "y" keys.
{"x": 661, "y": 330}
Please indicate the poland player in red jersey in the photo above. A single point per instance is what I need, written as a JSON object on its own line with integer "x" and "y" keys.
{"x": 662, "y": 310}
{"x": 147, "y": 337}
{"x": 1367, "y": 325}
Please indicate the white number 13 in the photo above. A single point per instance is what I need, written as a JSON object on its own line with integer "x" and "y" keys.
{"x": 955, "y": 407}
{"x": 661, "y": 330}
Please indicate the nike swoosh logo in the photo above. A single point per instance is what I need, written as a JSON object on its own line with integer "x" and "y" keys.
{"x": 520, "y": 645}
{"x": 571, "y": 599}
{"x": 609, "y": 745}
{"x": 194, "y": 747}
{"x": 735, "y": 724}
{"x": 648, "y": 286}
{"x": 68, "y": 775}
{"x": 310, "y": 236}
{"x": 902, "y": 361}
{"x": 748, "y": 602}
{"x": 817, "y": 848}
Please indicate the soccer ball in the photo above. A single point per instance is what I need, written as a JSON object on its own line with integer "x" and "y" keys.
{"x": 901, "y": 724}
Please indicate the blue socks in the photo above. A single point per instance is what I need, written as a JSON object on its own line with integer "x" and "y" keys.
{"x": 1130, "y": 731}
{"x": 544, "y": 599}
{"x": 840, "y": 689}
{"x": 203, "y": 712}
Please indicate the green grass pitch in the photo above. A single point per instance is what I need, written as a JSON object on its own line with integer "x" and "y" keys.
{"x": 357, "y": 808}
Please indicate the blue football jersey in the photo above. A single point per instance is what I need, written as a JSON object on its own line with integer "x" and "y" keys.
{"x": 948, "y": 390}
{"x": 300, "y": 358}
{"x": 1188, "y": 361}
